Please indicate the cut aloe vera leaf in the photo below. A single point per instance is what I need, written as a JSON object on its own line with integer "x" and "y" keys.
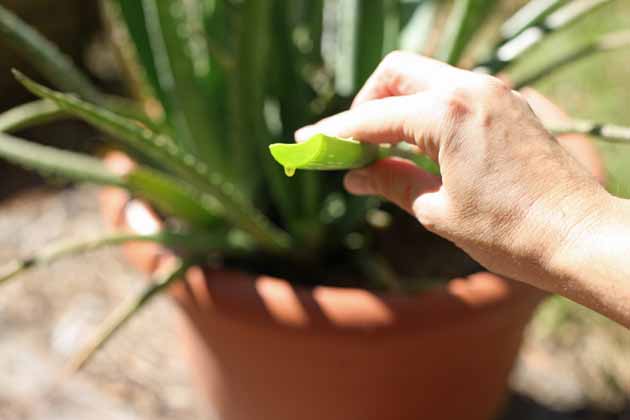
{"x": 327, "y": 153}
{"x": 324, "y": 153}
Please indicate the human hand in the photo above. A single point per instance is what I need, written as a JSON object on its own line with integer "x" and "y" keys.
{"x": 510, "y": 195}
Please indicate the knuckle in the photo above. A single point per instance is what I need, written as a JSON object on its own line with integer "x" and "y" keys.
{"x": 458, "y": 105}
{"x": 493, "y": 87}
{"x": 395, "y": 57}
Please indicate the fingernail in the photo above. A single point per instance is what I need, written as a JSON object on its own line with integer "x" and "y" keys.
{"x": 305, "y": 133}
{"x": 357, "y": 182}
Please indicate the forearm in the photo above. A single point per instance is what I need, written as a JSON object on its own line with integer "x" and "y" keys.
{"x": 593, "y": 268}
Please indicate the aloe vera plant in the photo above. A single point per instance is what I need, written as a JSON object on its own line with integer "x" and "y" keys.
{"x": 217, "y": 82}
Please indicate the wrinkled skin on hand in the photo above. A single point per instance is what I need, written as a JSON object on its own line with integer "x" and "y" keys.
{"x": 510, "y": 195}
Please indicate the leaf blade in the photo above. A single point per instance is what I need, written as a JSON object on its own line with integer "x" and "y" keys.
{"x": 463, "y": 22}
{"x": 29, "y": 115}
{"x": 160, "y": 149}
{"x": 45, "y": 159}
{"x": 173, "y": 197}
{"x": 45, "y": 56}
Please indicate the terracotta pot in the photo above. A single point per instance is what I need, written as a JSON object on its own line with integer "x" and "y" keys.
{"x": 262, "y": 348}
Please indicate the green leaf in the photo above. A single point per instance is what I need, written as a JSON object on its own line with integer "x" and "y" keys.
{"x": 140, "y": 140}
{"x": 530, "y": 14}
{"x": 195, "y": 243}
{"x": 294, "y": 97}
{"x": 126, "y": 311}
{"x": 45, "y": 56}
{"x": 251, "y": 25}
{"x": 415, "y": 35}
{"x": 182, "y": 64}
{"x": 160, "y": 150}
{"x": 605, "y": 43}
{"x": 365, "y": 34}
{"x": 167, "y": 194}
{"x": 57, "y": 67}
{"x": 464, "y": 21}
{"x": 410, "y": 152}
{"x": 324, "y": 153}
{"x": 180, "y": 71}
{"x": 173, "y": 197}
{"x": 29, "y": 115}
{"x": 516, "y": 47}
{"x": 49, "y": 160}
{"x": 132, "y": 14}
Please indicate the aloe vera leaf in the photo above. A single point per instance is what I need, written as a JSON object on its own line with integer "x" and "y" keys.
{"x": 415, "y": 35}
{"x": 364, "y": 37}
{"x": 608, "y": 132}
{"x": 139, "y": 139}
{"x": 465, "y": 19}
{"x": 252, "y": 40}
{"x": 173, "y": 197}
{"x": 289, "y": 85}
{"x": 55, "y": 252}
{"x": 55, "y": 65}
{"x": 453, "y": 38}
{"x": 606, "y": 43}
{"x": 528, "y": 15}
{"x": 315, "y": 24}
{"x": 409, "y": 152}
{"x": 132, "y": 14}
{"x": 376, "y": 29}
{"x": 49, "y": 160}
{"x": 169, "y": 195}
{"x": 45, "y": 56}
{"x": 201, "y": 242}
{"x": 345, "y": 46}
{"x": 29, "y": 115}
{"x": 160, "y": 149}
{"x": 182, "y": 62}
{"x": 516, "y": 47}
{"x": 126, "y": 311}
{"x": 324, "y": 153}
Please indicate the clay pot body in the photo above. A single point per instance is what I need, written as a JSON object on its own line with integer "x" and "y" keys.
{"x": 262, "y": 348}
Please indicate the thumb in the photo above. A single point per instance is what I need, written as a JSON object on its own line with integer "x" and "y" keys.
{"x": 397, "y": 180}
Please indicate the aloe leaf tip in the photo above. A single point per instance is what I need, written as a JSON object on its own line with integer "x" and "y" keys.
{"x": 323, "y": 153}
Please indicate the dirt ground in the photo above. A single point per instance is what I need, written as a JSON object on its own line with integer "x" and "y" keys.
{"x": 571, "y": 358}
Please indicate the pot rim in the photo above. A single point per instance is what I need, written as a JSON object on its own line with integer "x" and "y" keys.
{"x": 481, "y": 298}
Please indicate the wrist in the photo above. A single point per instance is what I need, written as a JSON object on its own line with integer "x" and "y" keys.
{"x": 590, "y": 266}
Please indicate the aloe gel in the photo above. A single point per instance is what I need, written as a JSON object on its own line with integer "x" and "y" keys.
{"x": 324, "y": 153}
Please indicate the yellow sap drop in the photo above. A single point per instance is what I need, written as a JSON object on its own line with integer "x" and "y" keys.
{"x": 289, "y": 171}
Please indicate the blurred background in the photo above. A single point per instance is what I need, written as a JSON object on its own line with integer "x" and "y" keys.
{"x": 574, "y": 364}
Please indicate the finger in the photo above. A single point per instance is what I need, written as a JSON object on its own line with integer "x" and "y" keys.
{"x": 388, "y": 120}
{"x": 397, "y": 180}
{"x": 403, "y": 73}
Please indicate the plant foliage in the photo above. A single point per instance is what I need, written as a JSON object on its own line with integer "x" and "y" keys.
{"x": 221, "y": 80}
